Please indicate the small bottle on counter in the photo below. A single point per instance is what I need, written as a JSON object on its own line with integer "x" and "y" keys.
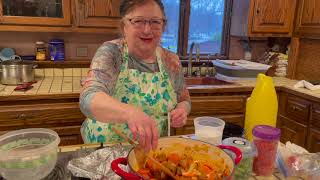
{"x": 40, "y": 51}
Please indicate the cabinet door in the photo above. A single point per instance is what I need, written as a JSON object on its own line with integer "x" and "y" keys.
{"x": 292, "y": 131}
{"x": 272, "y": 16}
{"x": 314, "y": 141}
{"x": 37, "y": 12}
{"x": 308, "y": 20}
{"x": 69, "y": 135}
{"x": 97, "y": 13}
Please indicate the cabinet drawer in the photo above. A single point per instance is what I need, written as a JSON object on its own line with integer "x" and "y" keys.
{"x": 211, "y": 105}
{"x": 314, "y": 140}
{"x": 297, "y": 109}
{"x": 40, "y": 115}
{"x": 292, "y": 131}
{"x": 315, "y": 115}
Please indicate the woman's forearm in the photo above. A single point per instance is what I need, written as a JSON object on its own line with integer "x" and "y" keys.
{"x": 186, "y": 105}
{"x": 105, "y": 108}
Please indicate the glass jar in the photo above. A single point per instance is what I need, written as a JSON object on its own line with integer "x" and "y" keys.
{"x": 56, "y": 48}
{"x": 266, "y": 139}
{"x": 243, "y": 170}
{"x": 40, "y": 51}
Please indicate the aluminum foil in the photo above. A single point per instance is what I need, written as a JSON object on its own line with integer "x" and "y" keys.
{"x": 97, "y": 165}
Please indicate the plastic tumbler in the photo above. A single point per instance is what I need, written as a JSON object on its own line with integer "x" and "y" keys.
{"x": 209, "y": 129}
{"x": 266, "y": 139}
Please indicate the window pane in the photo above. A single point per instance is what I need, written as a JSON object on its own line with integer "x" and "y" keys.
{"x": 206, "y": 25}
{"x": 170, "y": 36}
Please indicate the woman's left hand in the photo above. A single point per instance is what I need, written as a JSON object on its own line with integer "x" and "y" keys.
{"x": 178, "y": 117}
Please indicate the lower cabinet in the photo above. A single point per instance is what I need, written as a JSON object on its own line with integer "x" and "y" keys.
{"x": 313, "y": 142}
{"x": 292, "y": 131}
{"x": 61, "y": 115}
{"x": 230, "y": 108}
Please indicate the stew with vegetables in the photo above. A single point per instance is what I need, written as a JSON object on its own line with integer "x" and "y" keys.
{"x": 186, "y": 162}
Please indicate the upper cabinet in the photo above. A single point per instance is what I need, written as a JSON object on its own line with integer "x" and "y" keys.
{"x": 308, "y": 19}
{"x": 35, "y": 12}
{"x": 97, "y": 13}
{"x": 258, "y": 18}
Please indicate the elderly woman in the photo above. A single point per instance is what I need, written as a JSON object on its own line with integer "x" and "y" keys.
{"x": 134, "y": 83}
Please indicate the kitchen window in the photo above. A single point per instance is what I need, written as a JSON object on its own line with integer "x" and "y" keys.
{"x": 205, "y": 22}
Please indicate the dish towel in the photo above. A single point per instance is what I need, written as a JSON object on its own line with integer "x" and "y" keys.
{"x": 306, "y": 84}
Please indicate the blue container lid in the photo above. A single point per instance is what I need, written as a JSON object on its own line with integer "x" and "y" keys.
{"x": 266, "y": 132}
{"x": 56, "y": 41}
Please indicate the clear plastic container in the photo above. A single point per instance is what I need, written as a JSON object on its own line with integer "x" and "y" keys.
{"x": 28, "y": 153}
{"x": 243, "y": 170}
{"x": 266, "y": 139}
{"x": 209, "y": 129}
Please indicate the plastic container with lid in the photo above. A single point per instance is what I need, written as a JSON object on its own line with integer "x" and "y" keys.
{"x": 266, "y": 139}
{"x": 243, "y": 170}
{"x": 209, "y": 129}
{"x": 56, "y": 48}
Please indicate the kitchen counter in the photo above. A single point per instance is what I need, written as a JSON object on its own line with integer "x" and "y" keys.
{"x": 66, "y": 82}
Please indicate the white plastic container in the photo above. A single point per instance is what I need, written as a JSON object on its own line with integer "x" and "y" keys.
{"x": 209, "y": 129}
{"x": 28, "y": 154}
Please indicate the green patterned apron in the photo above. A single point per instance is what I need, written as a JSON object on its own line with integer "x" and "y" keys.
{"x": 152, "y": 92}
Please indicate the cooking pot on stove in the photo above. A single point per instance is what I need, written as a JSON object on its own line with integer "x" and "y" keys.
{"x": 16, "y": 71}
{"x": 214, "y": 151}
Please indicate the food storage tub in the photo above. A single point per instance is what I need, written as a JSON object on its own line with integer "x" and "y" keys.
{"x": 209, "y": 129}
{"x": 239, "y": 68}
{"x": 244, "y": 169}
{"x": 266, "y": 139}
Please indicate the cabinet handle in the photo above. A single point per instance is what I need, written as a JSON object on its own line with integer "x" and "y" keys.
{"x": 296, "y": 108}
{"x": 22, "y": 116}
{"x": 258, "y": 11}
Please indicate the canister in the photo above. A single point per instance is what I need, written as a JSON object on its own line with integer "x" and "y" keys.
{"x": 243, "y": 170}
{"x": 266, "y": 139}
{"x": 56, "y": 48}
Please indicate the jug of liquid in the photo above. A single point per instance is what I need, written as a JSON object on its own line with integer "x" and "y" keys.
{"x": 262, "y": 105}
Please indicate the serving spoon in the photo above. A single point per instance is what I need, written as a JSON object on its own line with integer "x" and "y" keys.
{"x": 134, "y": 143}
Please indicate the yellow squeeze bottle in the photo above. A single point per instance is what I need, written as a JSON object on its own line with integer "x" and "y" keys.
{"x": 262, "y": 105}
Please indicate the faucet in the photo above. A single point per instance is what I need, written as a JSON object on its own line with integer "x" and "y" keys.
{"x": 190, "y": 58}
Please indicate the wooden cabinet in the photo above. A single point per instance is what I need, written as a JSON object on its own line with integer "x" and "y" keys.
{"x": 256, "y": 18}
{"x": 59, "y": 113}
{"x": 308, "y": 18}
{"x": 229, "y": 108}
{"x": 313, "y": 140}
{"x": 272, "y": 16}
{"x": 44, "y": 13}
{"x": 97, "y": 13}
{"x": 292, "y": 131}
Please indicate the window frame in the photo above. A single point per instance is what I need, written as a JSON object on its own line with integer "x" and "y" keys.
{"x": 183, "y": 30}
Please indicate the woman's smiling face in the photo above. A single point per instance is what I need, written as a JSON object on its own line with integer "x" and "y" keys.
{"x": 143, "y": 28}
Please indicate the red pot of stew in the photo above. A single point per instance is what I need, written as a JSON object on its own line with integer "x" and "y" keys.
{"x": 185, "y": 158}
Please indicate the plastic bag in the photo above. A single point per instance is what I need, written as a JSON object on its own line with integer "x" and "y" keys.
{"x": 294, "y": 161}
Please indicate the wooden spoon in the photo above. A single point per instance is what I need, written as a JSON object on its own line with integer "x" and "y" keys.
{"x": 132, "y": 142}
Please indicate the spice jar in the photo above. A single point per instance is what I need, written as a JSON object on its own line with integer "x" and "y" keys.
{"x": 243, "y": 170}
{"x": 40, "y": 51}
{"x": 266, "y": 139}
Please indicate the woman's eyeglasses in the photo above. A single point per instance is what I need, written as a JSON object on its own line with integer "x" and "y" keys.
{"x": 155, "y": 23}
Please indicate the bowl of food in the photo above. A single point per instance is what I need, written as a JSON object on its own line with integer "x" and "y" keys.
{"x": 28, "y": 153}
{"x": 185, "y": 158}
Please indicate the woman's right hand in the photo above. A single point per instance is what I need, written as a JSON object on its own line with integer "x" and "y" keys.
{"x": 143, "y": 127}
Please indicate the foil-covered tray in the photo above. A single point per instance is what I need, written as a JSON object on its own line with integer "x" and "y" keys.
{"x": 97, "y": 165}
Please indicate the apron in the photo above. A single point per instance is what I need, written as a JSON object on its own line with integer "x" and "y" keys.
{"x": 151, "y": 92}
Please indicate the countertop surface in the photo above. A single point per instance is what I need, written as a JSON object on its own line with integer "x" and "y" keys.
{"x": 68, "y": 81}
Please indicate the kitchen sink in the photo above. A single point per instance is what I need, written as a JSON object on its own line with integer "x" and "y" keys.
{"x": 190, "y": 81}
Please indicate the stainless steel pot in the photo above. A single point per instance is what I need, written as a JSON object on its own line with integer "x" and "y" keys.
{"x": 13, "y": 72}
